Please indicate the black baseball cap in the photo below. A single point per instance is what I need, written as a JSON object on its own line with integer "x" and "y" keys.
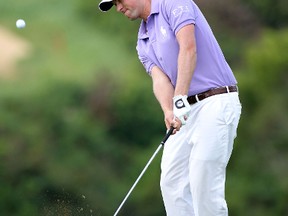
{"x": 105, "y": 5}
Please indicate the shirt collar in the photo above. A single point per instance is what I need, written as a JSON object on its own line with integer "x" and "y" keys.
{"x": 154, "y": 10}
{"x": 154, "y": 7}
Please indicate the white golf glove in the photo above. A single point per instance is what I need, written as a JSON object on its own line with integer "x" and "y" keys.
{"x": 181, "y": 108}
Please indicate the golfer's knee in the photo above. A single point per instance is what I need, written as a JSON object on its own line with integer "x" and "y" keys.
{"x": 167, "y": 184}
{"x": 164, "y": 183}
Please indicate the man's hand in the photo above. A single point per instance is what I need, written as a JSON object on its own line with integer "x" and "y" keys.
{"x": 181, "y": 108}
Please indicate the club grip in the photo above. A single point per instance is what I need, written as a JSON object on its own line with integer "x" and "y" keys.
{"x": 170, "y": 131}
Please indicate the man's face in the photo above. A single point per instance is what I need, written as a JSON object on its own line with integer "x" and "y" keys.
{"x": 130, "y": 8}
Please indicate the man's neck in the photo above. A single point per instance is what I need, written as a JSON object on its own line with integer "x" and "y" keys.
{"x": 146, "y": 10}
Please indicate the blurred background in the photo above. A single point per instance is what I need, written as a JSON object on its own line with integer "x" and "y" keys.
{"x": 78, "y": 119}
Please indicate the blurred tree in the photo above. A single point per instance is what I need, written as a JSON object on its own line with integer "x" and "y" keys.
{"x": 272, "y": 13}
{"x": 258, "y": 184}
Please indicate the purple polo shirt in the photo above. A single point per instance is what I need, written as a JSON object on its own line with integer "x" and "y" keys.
{"x": 158, "y": 45}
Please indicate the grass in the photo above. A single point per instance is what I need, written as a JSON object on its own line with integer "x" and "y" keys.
{"x": 64, "y": 46}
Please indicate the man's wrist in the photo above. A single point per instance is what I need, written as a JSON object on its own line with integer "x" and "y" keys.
{"x": 181, "y": 108}
{"x": 179, "y": 101}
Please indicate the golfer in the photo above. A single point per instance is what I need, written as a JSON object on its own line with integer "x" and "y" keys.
{"x": 197, "y": 92}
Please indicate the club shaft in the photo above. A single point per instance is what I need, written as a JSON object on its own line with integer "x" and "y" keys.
{"x": 138, "y": 179}
{"x": 144, "y": 170}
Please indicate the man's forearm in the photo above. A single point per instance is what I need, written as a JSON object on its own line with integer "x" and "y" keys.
{"x": 163, "y": 89}
{"x": 186, "y": 59}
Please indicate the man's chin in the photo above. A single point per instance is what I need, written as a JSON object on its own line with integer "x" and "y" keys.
{"x": 131, "y": 18}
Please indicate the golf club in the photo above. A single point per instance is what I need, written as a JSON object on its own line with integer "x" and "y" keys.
{"x": 170, "y": 131}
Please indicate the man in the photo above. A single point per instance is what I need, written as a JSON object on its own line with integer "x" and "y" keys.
{"x": 197, "y": 92}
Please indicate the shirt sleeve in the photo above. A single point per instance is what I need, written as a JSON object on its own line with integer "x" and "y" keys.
{"x": 179, "y": 13}
{"x": 146, "y": 62}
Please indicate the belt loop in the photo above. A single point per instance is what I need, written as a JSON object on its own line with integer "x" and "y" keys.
{"x": 227, "y": 88}
{"x": 196, "y": 97}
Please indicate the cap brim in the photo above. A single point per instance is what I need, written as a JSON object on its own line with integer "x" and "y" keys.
{"x": 105, "y": 5}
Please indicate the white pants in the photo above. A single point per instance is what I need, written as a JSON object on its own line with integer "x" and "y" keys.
{"x": 194, "y": 160}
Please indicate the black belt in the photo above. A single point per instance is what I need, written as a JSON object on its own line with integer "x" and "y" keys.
{"x": 201, "y": 96}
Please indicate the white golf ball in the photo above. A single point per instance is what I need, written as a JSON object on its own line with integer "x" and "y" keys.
{"x": 20, "y": 23}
